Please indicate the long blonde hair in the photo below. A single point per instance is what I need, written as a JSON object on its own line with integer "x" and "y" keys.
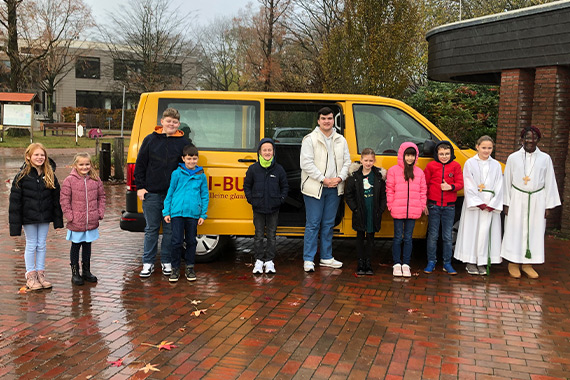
{"x": 49, "y": 176}
{"x": 92, "y": 172}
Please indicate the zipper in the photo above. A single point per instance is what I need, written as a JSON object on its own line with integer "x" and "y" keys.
{"x": 87, "y": 203}
{"x": 442, "y": 179}
{"x": 408, "y": 202}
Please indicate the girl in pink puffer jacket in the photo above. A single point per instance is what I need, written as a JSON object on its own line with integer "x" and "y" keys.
{"x": 83, "y": 203}
{"x": 406, "y": 194}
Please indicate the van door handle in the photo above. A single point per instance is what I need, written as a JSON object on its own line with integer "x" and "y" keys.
{"x": 247, "y": 160}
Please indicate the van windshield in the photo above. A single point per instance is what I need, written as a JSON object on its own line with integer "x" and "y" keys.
{"x": 385, "y": 128}
{"x": 217, "y": 124}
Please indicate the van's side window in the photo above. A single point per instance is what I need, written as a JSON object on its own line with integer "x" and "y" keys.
{"x": 217, "y": 125}
{"x": 384, "y": 128}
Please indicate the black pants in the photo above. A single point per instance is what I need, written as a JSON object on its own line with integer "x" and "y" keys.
{"x": 74, "y": 253}
{"x": 364, "y": 244}
{"x": 265, "y": 224}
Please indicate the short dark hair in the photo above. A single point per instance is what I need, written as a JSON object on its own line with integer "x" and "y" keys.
{"x": 444, "y": 146}
{"x": 325, "y": 111}
{"x": 190, "y": 150}
{"x": 171, "y": 112}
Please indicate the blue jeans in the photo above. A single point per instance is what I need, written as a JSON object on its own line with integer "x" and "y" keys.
{"x": 183, "y": 229}
{"x": 265, "y": 225}
{"x": 402, "y": 228}
{"x": 35, "y": 253}
{"x": 320, "y": 215}
{"x": 152, "y": 208}
{"x": 444, "y": 216}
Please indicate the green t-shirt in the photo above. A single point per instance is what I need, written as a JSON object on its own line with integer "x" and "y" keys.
{"x": 368, "y": 185}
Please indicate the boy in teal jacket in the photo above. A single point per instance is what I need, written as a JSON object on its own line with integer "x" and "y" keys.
{"x": 185, "y": 208}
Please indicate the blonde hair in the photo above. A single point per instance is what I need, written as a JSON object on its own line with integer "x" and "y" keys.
{"x": 368, "y": 151}
{"x": 485, "y": 138}
{"x": 49, "y": 176}
{"x": 92, "y": 172}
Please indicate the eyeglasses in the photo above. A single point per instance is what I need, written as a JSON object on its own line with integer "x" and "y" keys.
{"x": 444, "y": 154}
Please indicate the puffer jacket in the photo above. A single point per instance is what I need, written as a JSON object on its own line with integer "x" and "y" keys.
{"x": 82, "y": 202}
{"x": 354, "y": 196}
{"x": 265, "y": 188}
{"x": 31, "y": 202}
{"x": 187, "y": 195}
{"x": 406, "y": 199}
{"x": 436, "y": 173}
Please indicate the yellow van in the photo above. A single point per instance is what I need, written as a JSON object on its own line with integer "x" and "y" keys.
{"x": 227, "y": 126}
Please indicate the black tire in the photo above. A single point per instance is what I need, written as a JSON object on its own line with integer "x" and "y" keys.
{"x": 210, "y": 247}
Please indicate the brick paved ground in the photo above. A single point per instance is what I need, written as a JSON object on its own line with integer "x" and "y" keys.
{"x": 326, "y": 325}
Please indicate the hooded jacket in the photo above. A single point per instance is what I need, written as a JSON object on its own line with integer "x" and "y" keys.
{"x": 265, "y": 188}
{"x": 436, "y": 173}
{"x": 187, "y": 195}
{"x": 354, "y": 196}
{"x": 159, "y": 155}
{"x": 31, "y": 202}
{"x": 406, "y": 199}
{"x": 82, "y": 201}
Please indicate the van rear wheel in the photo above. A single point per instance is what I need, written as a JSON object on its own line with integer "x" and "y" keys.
{"x": 210, "y": 247}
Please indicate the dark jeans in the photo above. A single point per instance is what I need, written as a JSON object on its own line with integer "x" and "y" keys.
{"x": 265, "y": 224}
{"x": 183, "y": 229}
{"x": 152, "y": 208}
{"x": 364, "y": 244}
{"x": 403, "y": 229}
{"x": 444, "y": 216}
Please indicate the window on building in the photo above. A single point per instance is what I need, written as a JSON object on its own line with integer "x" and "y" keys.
{"x": 88, "y": 67}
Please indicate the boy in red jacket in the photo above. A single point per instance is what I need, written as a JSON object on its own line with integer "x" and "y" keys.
{"x": 444, "y": 178}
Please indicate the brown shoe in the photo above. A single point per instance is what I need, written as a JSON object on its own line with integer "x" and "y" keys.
{"x": 32, "y": 281}
{"x": 529, "y": 271}
{"x": 42, "y": 280}
{"x": 514, "y": 270}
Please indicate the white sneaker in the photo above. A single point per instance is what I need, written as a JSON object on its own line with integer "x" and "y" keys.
{"x": 331, "y": 263}
{"x": 309, "y": 266}
{"x": 147, "y": 270}
{"x": 167, "y": 269}
{"x": 397, "y": 271}
{"x": 406, "y": 271}
{"x": 269, "y": 267}
{"x": 258, "y": 267}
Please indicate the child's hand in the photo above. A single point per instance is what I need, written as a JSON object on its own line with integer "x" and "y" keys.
{"x": 200, "y": 221}
{"x": 426, "y": 211}
{"x": 490, "y": 209}
{"x": 445, "y": 186}
{"x": 141, "y": 193}
{"x": 167, "y": 218}
{"x": 483, "y": 207}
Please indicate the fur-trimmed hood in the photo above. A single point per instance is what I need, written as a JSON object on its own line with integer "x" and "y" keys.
{"x": 356, "y": 165}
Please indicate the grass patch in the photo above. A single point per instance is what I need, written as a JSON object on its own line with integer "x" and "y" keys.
{"x": 54, "y": 142}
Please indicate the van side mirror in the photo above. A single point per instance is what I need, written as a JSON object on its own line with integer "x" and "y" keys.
{"x": 428, "y": 148}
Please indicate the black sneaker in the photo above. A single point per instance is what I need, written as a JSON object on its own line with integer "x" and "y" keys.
{"x": 190, "y": 275}
{"x": 361, "y": 269}
{"x": 368, "y": 267}
{"x": 175, "y": 275}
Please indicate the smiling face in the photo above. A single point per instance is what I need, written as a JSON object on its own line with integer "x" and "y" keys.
{"x": 169, "y": 125}
{"x": 266, "y": 151}
{"x": 484, "y": 149}
{"x": 37, "y": 158}
{"x": 367, "y": 161}
{"x": 83, "y": 166}
{"x": 326, "y": 123}
{"x": 529, "y": 141}
{"x": 410, "y": 159}
{"x": 190, "y": 161}
{"x": 444, "y": 155}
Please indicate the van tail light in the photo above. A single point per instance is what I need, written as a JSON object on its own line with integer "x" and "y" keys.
{"x": 131, "y": 177}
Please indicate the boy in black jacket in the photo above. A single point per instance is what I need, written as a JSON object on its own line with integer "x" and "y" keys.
{"x": 265, "y": 188}
{"x": 158, "y": 157}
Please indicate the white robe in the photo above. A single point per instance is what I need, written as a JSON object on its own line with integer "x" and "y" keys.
{"x": 518, "y": 224}
{"x": 479, "y": 234}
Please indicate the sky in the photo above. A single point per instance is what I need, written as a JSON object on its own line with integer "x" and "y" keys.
{"x": 205, "y": 10}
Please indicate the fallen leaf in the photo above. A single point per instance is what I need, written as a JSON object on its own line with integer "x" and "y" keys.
{"x": 355, "y": 275}
{"x": 17, "y": 250}
{"x": 88, "y": 376}
{"x": 357, "y": 313}
{"x": 267, "y": 298}
{"x": 164, "y": 345}
{"x": 149, "y": 367}
{"x": 116, "y": 363}
{"x": 412, "y": 310}
{"x": 116, "y": 321}
{"x": 195, "y": 302}
{"x": 416, "y": 274}
{"x": 23, "y": 290}
{"x": 41, "y": 311}
{"x": 198, "y": 312}
{"x": 248, "y": 264}
{"x": 244, "y": 277}
{"x": 182, "y": 329}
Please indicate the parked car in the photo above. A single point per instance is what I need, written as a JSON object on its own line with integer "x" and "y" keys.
{"x": 290, "y": 135}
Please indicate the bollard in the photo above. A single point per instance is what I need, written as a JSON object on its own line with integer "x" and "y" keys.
{"x": 119, "y": 158}
{"x": 105, "y": 161}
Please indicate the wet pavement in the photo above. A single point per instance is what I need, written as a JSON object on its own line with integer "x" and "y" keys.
{"x": 330, "y": 324}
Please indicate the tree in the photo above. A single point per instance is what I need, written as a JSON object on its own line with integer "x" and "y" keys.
{"x": 148, "y": 41}
{"x": 376, "y": 50}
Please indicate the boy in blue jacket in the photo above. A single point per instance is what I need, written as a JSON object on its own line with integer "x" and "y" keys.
{"x": 185, "y": 209}
{"x": 265, "y": 188}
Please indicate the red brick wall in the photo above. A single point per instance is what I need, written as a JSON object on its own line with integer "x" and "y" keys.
{"x": 515, "y": 109}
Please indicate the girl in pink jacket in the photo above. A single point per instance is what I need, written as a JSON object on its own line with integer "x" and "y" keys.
{"x": 83, "y": 204}
{"x": 406, "y": 196}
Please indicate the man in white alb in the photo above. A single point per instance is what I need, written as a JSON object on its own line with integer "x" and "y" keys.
{"x": 530, "y": 192}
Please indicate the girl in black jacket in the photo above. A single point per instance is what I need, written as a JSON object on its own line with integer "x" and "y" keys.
{"x": 34, "y": 203}
{"x": 365, "y": 194}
